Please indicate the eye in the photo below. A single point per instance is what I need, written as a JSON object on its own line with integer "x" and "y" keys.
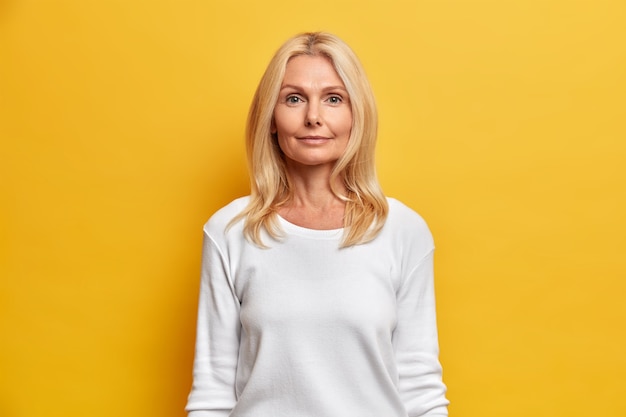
{"x": 335, "y": 99}
{"x": 293, "y": 99}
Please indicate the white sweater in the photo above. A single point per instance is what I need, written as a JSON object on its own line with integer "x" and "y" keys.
{"x": 307, "y": 329}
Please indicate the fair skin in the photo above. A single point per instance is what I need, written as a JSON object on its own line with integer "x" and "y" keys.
{"x": 312, "y": 120}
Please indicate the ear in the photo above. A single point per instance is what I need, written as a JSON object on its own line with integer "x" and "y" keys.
{"x": 273, "y": 129}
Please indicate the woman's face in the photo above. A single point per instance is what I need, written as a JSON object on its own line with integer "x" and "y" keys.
{"x": 313, "y": 116}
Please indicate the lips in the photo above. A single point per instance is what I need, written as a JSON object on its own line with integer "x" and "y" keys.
{"x": 313, "y": 138}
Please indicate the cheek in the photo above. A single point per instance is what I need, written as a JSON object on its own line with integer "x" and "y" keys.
{"x": 280, "y": 127}
{"x": 346, "y": 123}
{"x": 283, "y": 145}
{"x": 276, "y": 121}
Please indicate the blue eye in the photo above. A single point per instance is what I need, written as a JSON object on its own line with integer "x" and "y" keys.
{"x": 293, "y": 99}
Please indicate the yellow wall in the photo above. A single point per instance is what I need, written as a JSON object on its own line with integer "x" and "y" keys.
{"x": 502, "y": 122}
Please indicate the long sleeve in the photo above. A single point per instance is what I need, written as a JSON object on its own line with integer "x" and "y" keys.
{"x": 217, "y": 338}
{"x": 416, "y": 345}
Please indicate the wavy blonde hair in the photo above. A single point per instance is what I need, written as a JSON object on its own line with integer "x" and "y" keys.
{"x": 366, "y": 205}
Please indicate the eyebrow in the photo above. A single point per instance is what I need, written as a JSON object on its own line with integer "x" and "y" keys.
{"x": 329, "y": 88}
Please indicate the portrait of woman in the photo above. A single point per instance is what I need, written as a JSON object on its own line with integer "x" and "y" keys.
{"x": 496, "y": 135}
{"x": 317, "y": 290}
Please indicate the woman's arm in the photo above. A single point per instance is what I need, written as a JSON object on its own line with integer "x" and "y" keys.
{"x": 416, "y": 344}
{"x": 217, "y": 339}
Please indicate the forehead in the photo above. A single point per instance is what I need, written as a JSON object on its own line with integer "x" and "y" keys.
{"x": 311, "y": 69}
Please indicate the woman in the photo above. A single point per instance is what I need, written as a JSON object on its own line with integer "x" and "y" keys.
{"x": 317, "y": 291}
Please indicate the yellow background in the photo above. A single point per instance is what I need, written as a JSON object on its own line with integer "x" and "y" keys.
{"x": 121, "y": 125}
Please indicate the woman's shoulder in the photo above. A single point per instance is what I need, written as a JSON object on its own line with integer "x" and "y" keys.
{"x": 405, "y": 222}
{"x": 221, "y": 219}
{"x": 398, "y": 211}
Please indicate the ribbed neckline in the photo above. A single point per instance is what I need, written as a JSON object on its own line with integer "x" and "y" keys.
{"x": 294, "y": 229}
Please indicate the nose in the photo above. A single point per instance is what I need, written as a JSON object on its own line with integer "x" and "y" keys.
{"x": 313, "y": 115}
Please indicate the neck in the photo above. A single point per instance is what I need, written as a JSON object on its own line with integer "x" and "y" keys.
{"x": 313, "y": 203}
{"x": 312, "y": 188}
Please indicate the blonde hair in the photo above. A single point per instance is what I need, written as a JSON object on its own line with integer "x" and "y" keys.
{"x": 366, "y": 205}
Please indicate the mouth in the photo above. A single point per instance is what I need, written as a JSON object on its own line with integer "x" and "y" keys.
{"x": 313, "y": 138}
